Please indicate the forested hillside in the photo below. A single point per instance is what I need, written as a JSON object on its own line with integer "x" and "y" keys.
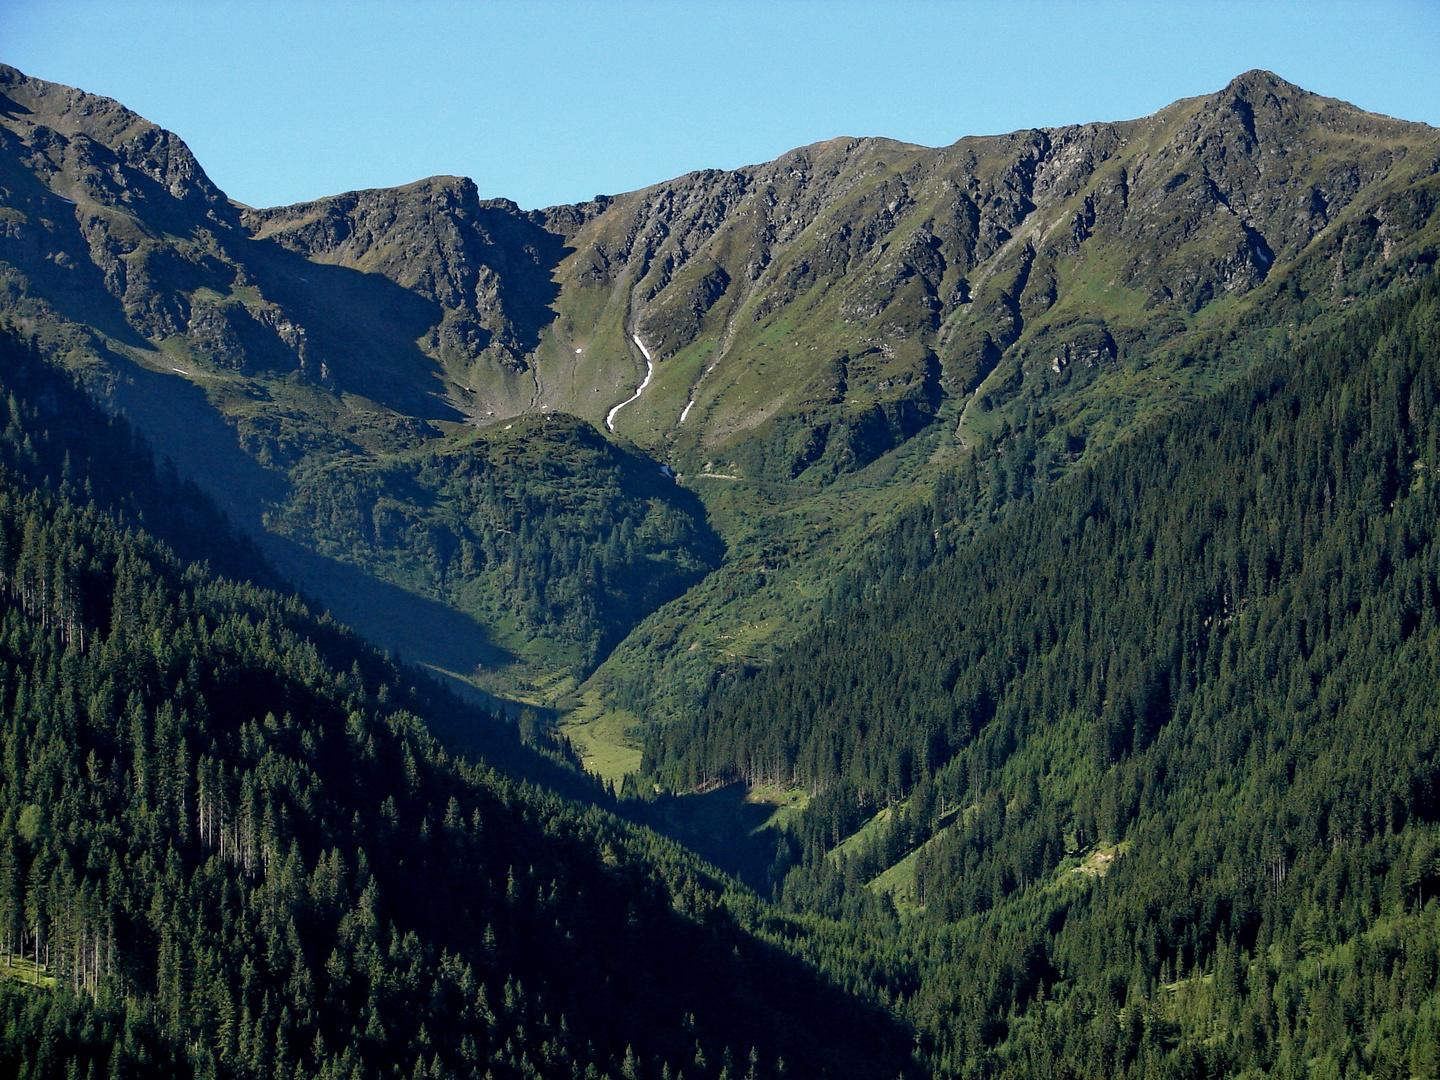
{"x": 1022, "y": 563}
{"x": 1155, "y": 759}
{"x": 233, "y": 848}
{"x": 542, "y": 528}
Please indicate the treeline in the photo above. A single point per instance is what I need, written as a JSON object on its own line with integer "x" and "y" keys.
{"x": 545, "y": 525}
{"x": 1159, "y": 749}
{"x": 230, "y": 847}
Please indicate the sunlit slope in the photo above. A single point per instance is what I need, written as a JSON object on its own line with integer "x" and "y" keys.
{"x": 1111, "y": 272}
{"x": 819, "y": 309}
{"x": 1151, "y": 766}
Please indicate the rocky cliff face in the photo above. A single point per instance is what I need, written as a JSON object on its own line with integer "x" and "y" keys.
{"x": 863, "y": 274}
{"x": 484, "y": 264}
{"x": 109, "y": 223}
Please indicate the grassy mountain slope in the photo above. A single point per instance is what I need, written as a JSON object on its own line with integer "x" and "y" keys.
{"x": 1109, "y": 273}
{"x": 832, "y": 297}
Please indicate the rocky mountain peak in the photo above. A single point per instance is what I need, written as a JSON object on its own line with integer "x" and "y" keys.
{"x": 106, "y": 152}
{"x": 1259, "y": 82}
{"x": 1264, "y": 100}
{"x": 485, "y": 263}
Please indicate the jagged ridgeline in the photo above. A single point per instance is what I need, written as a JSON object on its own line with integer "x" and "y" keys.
{"x": 1169, "y": 734}
{"x": 551, "y": 540}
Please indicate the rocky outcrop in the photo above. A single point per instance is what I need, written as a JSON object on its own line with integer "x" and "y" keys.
{"x": 485, "y": 265}
{"x": 100, "y": 150}
{"x": 1128, "y": 228}
{"x": 112, "y": 223}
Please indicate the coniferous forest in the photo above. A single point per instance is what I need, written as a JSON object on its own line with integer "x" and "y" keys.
{"x": 230, "y": 842}
{"x": 895, "y": 612}
{"x": 1157, "y": 754}
{"x": 1162, "y": 782}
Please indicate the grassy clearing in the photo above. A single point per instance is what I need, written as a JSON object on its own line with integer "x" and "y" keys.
{"x": 18, "y": 969}
{"x": 863, "y": 836}
{"x": 600, "y": 733}
{"x": 1098, "y": 862}
{"x": 899, "y": 881}
{"x": 785, "y": 543}
{"x": 785, "y": 804}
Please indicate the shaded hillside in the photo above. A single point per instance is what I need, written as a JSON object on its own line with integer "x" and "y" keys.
{"x": 542, "y": 527}
{"x": 234, "y": 850}
{"x": 484, "y": 266}
{"x": 317, "y": 371}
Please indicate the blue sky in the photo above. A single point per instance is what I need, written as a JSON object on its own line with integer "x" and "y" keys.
{"x": 549, "y": 102}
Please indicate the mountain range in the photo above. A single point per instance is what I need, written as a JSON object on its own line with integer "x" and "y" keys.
{"x": 808, "y": 319}
{"x": 932, "y": 538}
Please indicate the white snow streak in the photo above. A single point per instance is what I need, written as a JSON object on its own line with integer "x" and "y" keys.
{"x": 649, "y": 372}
